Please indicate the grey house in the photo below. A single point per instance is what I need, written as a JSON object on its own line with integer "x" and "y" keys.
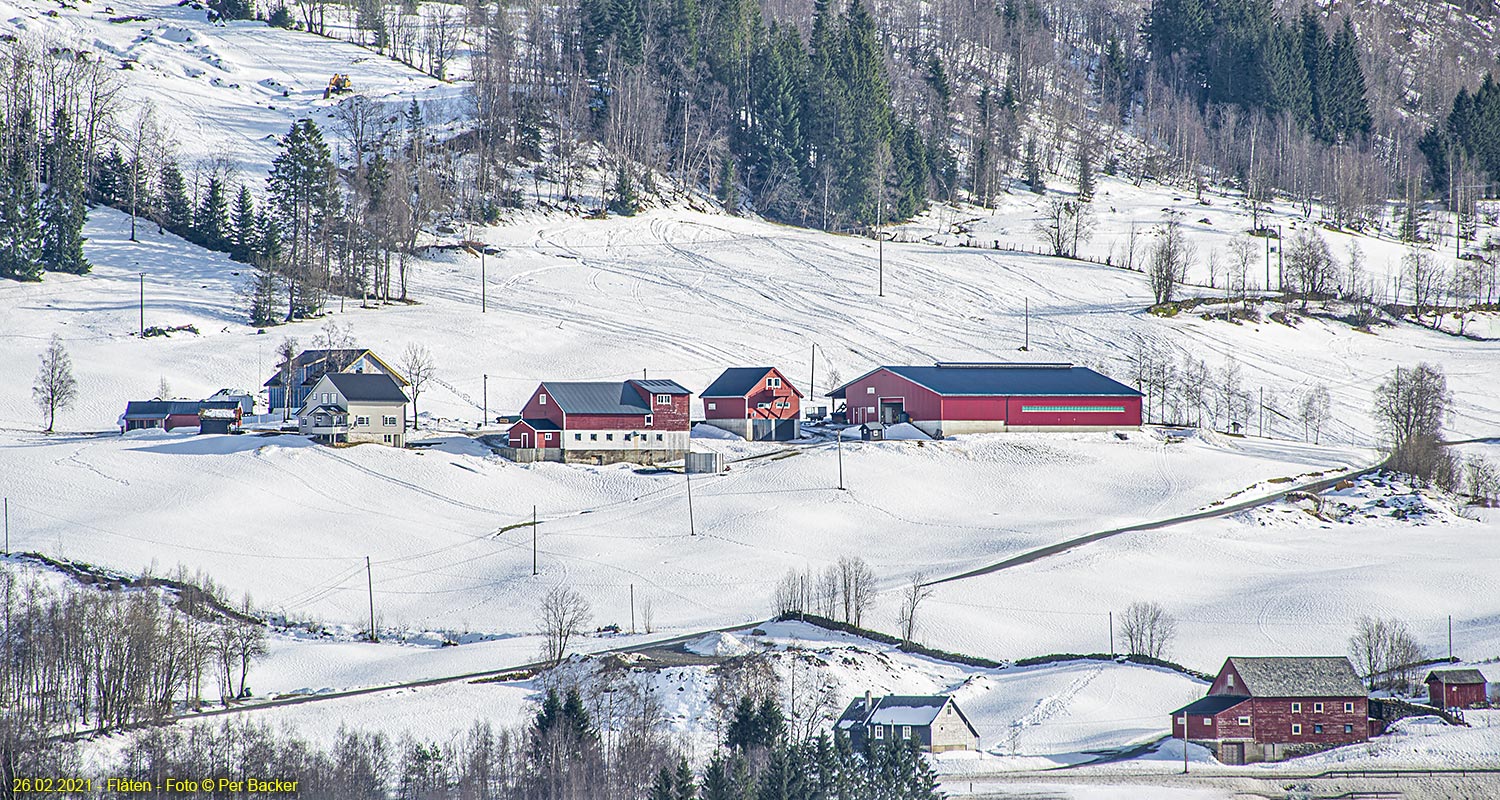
{"x": 934, "y": 722}
{"x": 351, "y": 408}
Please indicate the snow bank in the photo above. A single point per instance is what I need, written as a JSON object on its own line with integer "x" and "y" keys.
{"x": 718, "y": 644}
{"x": 905, "y": 431}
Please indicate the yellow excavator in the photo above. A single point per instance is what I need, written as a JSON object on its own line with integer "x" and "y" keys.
{"x": 338, "y": 84}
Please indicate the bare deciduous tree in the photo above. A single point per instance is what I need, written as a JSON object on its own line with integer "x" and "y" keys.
{"x": 54, "y": 389}
{"x": 856, "y": 588}
{"x": 912, "y": 597}
{"x": 564, "y": 615}
{"x": 1314, "y": 411}
{"x": 287, "y": 353}
{"x": 1410, "y": 407}
{"x": 1148, "y": 629}
{"x": 419, "y": 368}
{"x": 1310, "y": 264}
{"x": 1385, "y": 652}
{"x": 1168, "y": 261}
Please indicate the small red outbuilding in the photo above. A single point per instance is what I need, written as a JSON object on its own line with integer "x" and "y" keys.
{"x": 1456, "y": 688}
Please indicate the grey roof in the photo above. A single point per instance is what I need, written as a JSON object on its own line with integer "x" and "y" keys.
{"x": 155, "y": 409}
{"x": 1455, "y": 676}
{"x": 1298, "y": 676}
{"x": 608, "y": 397}
{"x": 539, "y": 424}
{"x": 1006, "y": 379}
{"x": 661, "y": 386}
{"x": 367, "y": 387}
{"x": 740, "y": 381}
{"x": 1211, "y": 704}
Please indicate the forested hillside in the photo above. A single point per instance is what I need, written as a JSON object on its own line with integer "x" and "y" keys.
{"x": 830, "y": 114}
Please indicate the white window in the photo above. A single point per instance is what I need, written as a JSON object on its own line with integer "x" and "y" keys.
{"x": 664, "y": 399}
{"x": 1317, "y": 708}
{"x": 541, "y": 399}
{"x": 906, "y": 731}
{"x": 1182, "y": 720}
{"x": 762, "y": 405}
{"x": 879, "y": 731}
{"x": 869, "y": 390}
{"x": 1229, "y": 681}
{"x": 1296, "y": 708}
{"x": 388, "y": 439}
{"x": 773, "y": 383}
{"x": 1296, "y": 729}
{"x": 389, "y": 421}
{"x": 362, "y": 421}
{"x": 1244, "y": 720}
{"x": 1348, "y": 729}
{"x": 713, "y": 407}
{"x": 1208, "y": 720}
{"x": 547, "y": 436}
{"x": 1317, "y": 729}
{"x": 869, "y": 409}
{"x": 1348, "y": 708}
{"x": 650, "y": 420}
{"x": 783, "y": 404}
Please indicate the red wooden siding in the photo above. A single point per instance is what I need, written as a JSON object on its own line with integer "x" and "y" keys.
{"x": 1458, "y": 695}
{"x": 917, "y": 401}
{"x": 974, "y": 408}
{"x": 672, "y": 417}
{"x": 1272, "y": 719}
{"x": 724, "y": 408}
{"x": 535, "y": 409}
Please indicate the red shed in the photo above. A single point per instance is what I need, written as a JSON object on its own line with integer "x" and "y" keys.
{"x": 1456, "y": 688}
{"x": 756, "y": 403}
{"x": 640, "y": 421}
{"x": 954, "y": 398}
{"x": 1267, "y": 709}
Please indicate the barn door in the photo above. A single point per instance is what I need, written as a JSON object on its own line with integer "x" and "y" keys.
{"x": 1234, "y": 753}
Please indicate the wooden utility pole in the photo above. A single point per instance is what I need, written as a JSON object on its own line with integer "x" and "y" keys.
{"x": 1111, "y": 633}
{"x": 370, "y": 584}
{"x": 484, "y": 304}
{"x": 533, "y": 540}
{"x": 840, "y": 434}
{"x": 880, "y": 241}
{"x": 632, "y": 608}
{"x": 485, "y": 420}
{"x": 143, "y": 304}
{"x": 1027, "y": 343}
{"x": 7, "y": 552}
{"x": 812, "y": 372}
{"x": 692, "y": 529}
{"x": 1450, "y": 616}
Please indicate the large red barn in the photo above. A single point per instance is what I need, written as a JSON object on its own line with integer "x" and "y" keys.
{"x": 954, "y": 398}
{"x": 1270, "y": 708}
{"x": 641, "y": 421}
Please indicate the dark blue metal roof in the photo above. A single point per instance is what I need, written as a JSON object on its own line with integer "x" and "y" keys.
{"x": 157, "y": 409}
{"x": 740, "y": 381}
{"x": 661, "y": 386}
{"x": 1006, "y": 380}
{"x": 1211, "y": 704}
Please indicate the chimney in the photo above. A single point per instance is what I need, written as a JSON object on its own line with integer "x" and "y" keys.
{"x": 869, "y": 700}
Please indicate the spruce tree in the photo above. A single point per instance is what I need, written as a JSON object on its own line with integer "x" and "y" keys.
{"x": 684, "y": 787}
{"x": 176, "y": 211}
{"x": 63, "y": 209}
{"x": 110, "y": 179}
{"x": 20, "y": 213}
{"x": 243, "y": 236}
{"x": 662, "y": 788}
{"x": 211, "y": 221}
{"x": 864, "y": 124}
{"x": 1031, "y": 165}
{"x": 1085, "y": 173}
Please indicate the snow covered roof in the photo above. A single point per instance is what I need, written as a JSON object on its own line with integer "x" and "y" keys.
{"x": 740, "y": 381}
{"x": 608, "y": 397}
{"x": 1456, "y": 677}
{"x": 896, "y": 709}
{"x": 1005, "y": 379}
{"x": 156, "y": 409}
{"x": 1298, "y": 676}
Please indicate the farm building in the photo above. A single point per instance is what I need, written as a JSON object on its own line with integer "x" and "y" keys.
{"x": 352, "y": 408}
{"x": 755, "y": 403}
{"x": 171, "y": 414}
{"x": 1268, "y": 709}
{"x": 934, "y": 722}
{"x": 1456, "y": 688}
{"x": 309, "y": 365}
{"x": 954, "y": 398}
{"x": 637, "y": 421}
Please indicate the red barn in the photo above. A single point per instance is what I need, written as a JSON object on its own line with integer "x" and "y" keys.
{"x": 953, "y": 398}
{"x": 639, "y": 421}
{"x": 756, "y": 403}
{"x": 1268, "y": 709}
{"x": 1456, "y": 688}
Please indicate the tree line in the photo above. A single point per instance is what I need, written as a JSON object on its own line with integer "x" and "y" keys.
{"x": 79, "y": 660}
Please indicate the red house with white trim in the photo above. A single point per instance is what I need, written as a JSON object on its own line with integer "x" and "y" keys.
{"x": 638, "y": 421}
{"x": 1268, "y": 709}
{"x": 951, "y": 398}
{"x": 755, "y": 403}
